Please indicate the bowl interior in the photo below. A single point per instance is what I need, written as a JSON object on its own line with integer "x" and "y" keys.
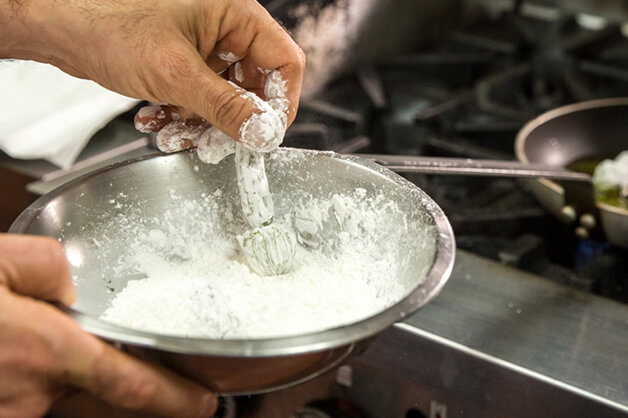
{"x": 99, "y": 217}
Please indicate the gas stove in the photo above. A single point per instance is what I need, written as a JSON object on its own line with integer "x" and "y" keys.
{"x": 529, "y": 324}
{"x": 466, "y": 94}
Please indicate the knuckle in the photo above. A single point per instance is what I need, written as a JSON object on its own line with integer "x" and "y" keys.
{"x": 228, "y": 107}
{"x": 140, "y": 392}
{"x": 174, "y": 63}
{"x": 301, "y": 58}
{"x": 174, "y": 70}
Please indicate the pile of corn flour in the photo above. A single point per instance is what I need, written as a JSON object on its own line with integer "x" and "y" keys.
{"x": 198, "y": 284}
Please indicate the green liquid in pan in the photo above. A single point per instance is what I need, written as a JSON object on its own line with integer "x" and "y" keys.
{"x": 604, "y": 194}
{"x": 586, "y": 165}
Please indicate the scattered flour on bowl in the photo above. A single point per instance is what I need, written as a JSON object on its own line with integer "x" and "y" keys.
{"x": 198, "y": 284}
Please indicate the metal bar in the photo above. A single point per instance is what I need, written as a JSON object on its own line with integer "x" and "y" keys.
{"x": 352, "y": 145}
{"x": 579, "y": 193}
{"x": 333, "y": 110}
{"x": 99, "y": 158}
{"x": 460, "y": 166}
{"x": 485, "y": 87}
{"x": 484, "y": 42}
{"x": 443, "y": 107}
{"x": 372, "y": 84}
{"x": 603, "y": 70}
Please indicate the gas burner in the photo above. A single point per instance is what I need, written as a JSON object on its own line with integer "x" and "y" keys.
{"x": 485, "y": 81}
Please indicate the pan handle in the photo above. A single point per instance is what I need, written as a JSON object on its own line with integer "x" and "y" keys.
{"x": 462, "y": 166}
{"x": 578, "y": 187}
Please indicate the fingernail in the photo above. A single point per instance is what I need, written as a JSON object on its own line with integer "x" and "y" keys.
{"x": 150, "y": 118}
{"x": 211, "y": 404}
{"x": 263, "y": 131}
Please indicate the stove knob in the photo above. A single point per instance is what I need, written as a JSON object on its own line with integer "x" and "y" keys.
{"x": 587, "y": 220}
{"x": 581, "y": 232}
{"x": 569, "y": 212}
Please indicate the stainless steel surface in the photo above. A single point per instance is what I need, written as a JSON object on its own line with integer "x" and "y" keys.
{"x": 77, "y": 212}
{"x": 118, "y": 141}
{"x": 562, "y": 136}
{"x": 50, "y": 181}
{"x": 496, "y": 342}
{"x": 574, "y": 337}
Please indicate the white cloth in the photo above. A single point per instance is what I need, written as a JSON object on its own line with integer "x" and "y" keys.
{"x": 46, "y": 113}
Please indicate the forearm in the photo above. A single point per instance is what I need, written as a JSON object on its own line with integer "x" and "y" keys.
{"x": 36, "y": 29}
{"x": 17, "y": 30}
{"x": 163, "y": 51}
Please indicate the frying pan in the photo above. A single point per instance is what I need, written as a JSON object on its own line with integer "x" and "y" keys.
{"x": 545, "y": 147}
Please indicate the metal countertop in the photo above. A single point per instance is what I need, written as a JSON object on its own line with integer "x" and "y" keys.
{"x": 574, "y": 337}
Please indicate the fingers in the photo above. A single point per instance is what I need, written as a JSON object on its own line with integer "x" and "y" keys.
{"x": 131, "y": 383}
{"x": 177, "y": 128}
{"x": 153, "y": 118}
{"x": 252, "y": 44}
{"x": 273, "y": 48}
{"x": 36, "y": 267}
{"x": 241, "y": 115}
{"x": 51, "y": 351}
{"x": 214, "y": 146}
{"x": 179, "y": 135}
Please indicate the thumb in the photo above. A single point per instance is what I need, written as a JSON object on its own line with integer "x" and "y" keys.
{"x": 36, "y": 267}
{"x": 240, "y": 114}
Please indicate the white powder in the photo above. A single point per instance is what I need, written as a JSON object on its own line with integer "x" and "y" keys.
{"x": 237, "y": 72}
{"x": 199, "y": 285}
{"x": 214, "y": 145}
{"x": 229, "y": 57}
{"x": 264, "y": 131}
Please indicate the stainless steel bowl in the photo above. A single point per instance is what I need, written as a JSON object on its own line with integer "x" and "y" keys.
{"x": 78, "y": 211}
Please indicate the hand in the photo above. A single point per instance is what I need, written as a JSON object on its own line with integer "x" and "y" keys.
{"x": 164, "y": 51}
{"x": 44, "y": 353}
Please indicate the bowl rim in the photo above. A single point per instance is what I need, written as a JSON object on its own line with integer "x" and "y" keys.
{"x": 423, "y": 293}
